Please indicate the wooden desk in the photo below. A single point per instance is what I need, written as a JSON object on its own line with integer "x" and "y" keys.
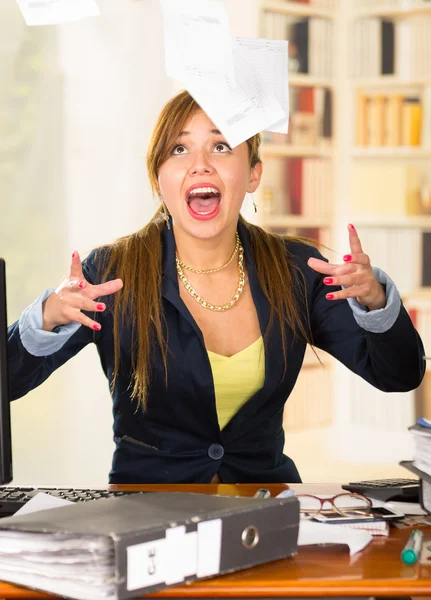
{"x": 376, "y": 571}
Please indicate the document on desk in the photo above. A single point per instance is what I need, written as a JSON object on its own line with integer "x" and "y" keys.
{"x": 55, "y": 12}
{"x": 311, "y": 533}
{"x": 242, "y": 95}
{"x": 41, "y": 502}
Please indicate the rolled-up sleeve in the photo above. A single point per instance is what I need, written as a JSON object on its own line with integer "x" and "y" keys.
{"x": 34, "y": 338}
{"x": 382, "y": 319}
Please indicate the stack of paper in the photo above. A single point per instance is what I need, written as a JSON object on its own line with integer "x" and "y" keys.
{"x": 422, "y": 452}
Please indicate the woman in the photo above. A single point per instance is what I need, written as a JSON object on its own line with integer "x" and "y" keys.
{"x": 199, "y": 284}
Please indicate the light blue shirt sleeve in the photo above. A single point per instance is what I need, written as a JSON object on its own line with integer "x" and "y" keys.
{"x": 34, "y": 339}
{"x": 382, "y": 319}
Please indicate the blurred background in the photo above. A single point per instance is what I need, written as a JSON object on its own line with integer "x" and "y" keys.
{"x": 77, "y": 106}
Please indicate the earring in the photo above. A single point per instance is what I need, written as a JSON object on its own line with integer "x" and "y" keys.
{"x": 254, "y": 202}
{"x": 164, "y": 213}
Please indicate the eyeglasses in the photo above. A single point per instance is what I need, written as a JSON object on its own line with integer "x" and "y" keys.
{"x": 344, "y": 504}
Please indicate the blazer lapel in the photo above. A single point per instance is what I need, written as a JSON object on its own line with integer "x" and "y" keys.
{"x": 170, "y": 288}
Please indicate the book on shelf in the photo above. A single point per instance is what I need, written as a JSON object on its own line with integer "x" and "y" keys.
{"x": 310, "y": 118}
{"x": 123, "y": 547}
{"x": 393, "y": 120}
{"x": 310, "y": 41}
{"x": 298, "y": 186}
{"x": 401, "y": 47}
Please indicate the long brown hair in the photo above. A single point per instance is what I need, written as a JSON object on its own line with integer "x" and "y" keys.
{"x": 137, "y": 260}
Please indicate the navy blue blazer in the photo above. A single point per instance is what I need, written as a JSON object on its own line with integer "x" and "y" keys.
{"x": 178, "y": 439}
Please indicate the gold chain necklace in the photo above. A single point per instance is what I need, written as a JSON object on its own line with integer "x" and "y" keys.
{"x": 203, "y": 271}
{"x": 203, "y": 302}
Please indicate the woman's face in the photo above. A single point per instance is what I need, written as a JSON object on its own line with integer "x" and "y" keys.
{"x": 203, "y": 182}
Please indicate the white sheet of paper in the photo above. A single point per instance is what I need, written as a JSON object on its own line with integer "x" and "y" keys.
{"x": 320, "y": 533}
{"x": 41, "y": 501}
{"x": 240, "y": 112}
{"x": 198, "y": 42}
{"x": 55, "y": 12}
{"x": 270, "y": 58}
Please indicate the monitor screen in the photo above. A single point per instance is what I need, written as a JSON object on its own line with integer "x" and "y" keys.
{"x": 5, "y": 426}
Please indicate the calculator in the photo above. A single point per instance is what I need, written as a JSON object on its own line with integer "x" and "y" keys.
{"x": 395, "y": 490}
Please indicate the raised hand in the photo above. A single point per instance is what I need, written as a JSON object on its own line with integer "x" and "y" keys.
{"x": 74, "y": 295}
{"x": 356, "y": 275}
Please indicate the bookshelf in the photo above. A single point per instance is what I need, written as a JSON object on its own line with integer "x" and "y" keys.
{"x": 393, "y": 11}
{"x": 354, "y": 420}
{"x": 285, "y": 149}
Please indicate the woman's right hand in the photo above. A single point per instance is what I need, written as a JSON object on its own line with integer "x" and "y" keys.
{"x": 74, "y": 295}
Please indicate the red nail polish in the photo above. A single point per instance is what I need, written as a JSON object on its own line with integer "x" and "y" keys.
{"x": 328, "y": 280}
{"x": 352, "y": 226}
{"x": 347, "y": 258}
{"x": 100, "y": 307}
{"x": 81, "y": 285}
{"x": 330, "y": 296}
{"x": 73, "y": 255}
{"x": 97, "y": 327}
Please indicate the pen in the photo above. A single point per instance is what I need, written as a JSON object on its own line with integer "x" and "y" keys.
{"x": 262, "y": 493}
{"x": 410, "y": 552}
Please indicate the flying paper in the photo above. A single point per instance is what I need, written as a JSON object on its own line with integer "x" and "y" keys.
{"x": 241, "y": 83}
{"x": 55, "y": 12}
{"x": 197, "y": 40}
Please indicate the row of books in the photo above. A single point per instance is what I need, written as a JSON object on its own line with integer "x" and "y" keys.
{"x": 388, "y": 190}
{"x": 404, "y": 254}
{"x": 310, "y": 42}
{"x": 393, "y": 120}
{"x": 327, "y": 4}
{"x": 298, "y": 186}
{"x": 391, "y": 4}
{"x": 310, "y": 118}
{"x": 384, "y": 47}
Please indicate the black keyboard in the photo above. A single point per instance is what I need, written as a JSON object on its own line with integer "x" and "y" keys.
{"x": 397, "y": 489}
{"x": 13, "y": 498}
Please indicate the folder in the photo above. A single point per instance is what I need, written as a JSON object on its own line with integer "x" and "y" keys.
{"x": 424, "y": 484}
{"x": 121, "y": 547}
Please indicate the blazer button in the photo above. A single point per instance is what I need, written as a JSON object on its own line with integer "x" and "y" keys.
{"x": 215, "y": 451}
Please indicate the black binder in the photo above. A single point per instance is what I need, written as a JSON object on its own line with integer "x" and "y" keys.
{"x": 129, "y": 545}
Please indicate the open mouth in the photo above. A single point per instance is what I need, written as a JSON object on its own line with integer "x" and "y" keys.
{"x": 204, "y": 200}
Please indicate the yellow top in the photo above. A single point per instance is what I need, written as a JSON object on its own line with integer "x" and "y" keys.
{"x": 237, "y": 378}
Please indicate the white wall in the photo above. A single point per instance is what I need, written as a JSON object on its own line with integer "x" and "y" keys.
{"x": 114, "y": 85}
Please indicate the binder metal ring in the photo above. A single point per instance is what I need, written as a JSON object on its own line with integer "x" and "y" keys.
{"x": 250, "y": 537}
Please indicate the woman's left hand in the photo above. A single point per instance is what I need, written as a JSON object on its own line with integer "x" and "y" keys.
{"x": 356, "y": 275}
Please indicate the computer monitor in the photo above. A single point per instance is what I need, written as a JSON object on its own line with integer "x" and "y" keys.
{"x": 5, "y": 425}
